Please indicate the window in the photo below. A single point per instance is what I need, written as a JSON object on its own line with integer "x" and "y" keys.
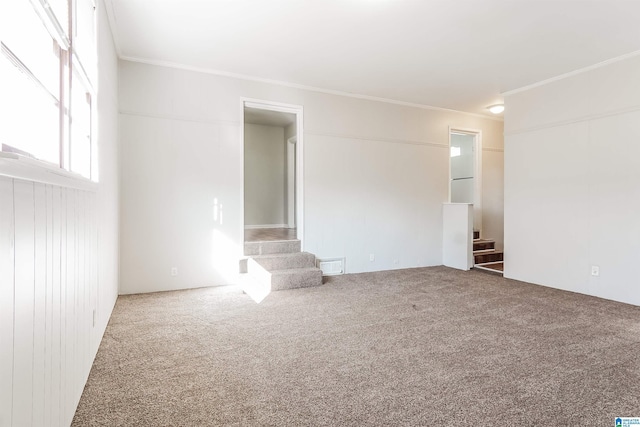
{"x": 47, "y": 65}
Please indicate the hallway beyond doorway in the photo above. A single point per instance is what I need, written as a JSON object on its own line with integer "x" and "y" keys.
{"x": 266, "y": 234}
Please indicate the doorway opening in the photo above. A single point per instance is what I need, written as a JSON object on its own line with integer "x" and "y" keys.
{"x": 272, "y": 164}
{"x": 465, "y": 170}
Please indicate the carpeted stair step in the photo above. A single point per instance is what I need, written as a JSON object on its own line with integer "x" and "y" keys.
{"x": 295, "y": 278}
{"x": 476, "y": 234}
{"x": 284, "y": 261}
{"x": 288, "y": 278}
{"x": 482, "y": 257}
{"x": 271, "y": 247}
{"x": 483, "y": 244}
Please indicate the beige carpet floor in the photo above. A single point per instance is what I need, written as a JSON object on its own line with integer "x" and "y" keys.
{"x": 415, "y": 347}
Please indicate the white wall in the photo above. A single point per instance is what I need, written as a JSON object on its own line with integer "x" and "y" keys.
{"x": 58, "y": 263}
{"x": 572, "y": 183}
{"x": 265, "y": 175}
{"x": 375, "y": 176}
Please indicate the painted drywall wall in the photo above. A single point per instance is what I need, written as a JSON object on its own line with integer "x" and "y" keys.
{"x": 572, "y": 182}
{"x": 265, "y": 175}
{"x": 375, "y": 176}
{"x": 58, "y": 263}
{"x": 493, "y": 194}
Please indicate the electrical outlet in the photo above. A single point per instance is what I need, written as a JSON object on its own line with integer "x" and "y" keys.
{"x": 595, "y": 270}
{"x": 174, "y": 271}
{"x": 372, "y": 257}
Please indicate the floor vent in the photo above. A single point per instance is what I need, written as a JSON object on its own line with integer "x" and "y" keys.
{"x": 331, "y": 266}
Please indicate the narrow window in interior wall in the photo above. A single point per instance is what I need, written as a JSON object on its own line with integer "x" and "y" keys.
{"x": 46, "y": 85}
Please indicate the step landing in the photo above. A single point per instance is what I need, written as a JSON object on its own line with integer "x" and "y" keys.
{"x": 271, "y": 247}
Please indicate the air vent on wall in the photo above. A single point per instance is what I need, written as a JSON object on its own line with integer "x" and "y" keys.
{"x": 331, "y": 266}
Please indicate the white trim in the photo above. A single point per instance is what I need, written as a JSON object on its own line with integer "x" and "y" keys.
{"x": 477, "y": 190}
{"x": 258, "y": 226}
{"x": 242, "y": 183}
{"x": 487, "y": 268}
{"x": 483, "y": 251}
{"x": 572, "y": 73}
{"x": 495, "y": 150}
{"x": 298, "y": 110}
{"x": 291, "y": 179}
{"x": 16, "y": 166}
{"x": 377, "y": 139}
{"x": 174, "y": 65}
{"x": 51, "y": 23}
{"x": 271, "y": 106}
{"x": 163, "y": 116}
{"x": 174, "y": 117}
{"x": 300, "y": 177}
{"x": 586, "y": 118}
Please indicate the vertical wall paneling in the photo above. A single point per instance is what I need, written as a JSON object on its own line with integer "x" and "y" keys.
{"x": 81, "y": 319}
{"x": 588, "y": 198}
{"x": 70, "y": 308}
{"x": 80, "y": 287}
{"x": 48, "y": 345}
{"x": 94, "y": 312}
{"x": 6, "y": 300}
{"x": 39, "y": 322}
{"x": 48, "y": 291}
{"x": 23, "y": 197}
{"x": 54, "y": 272}
{"x": 63, "y": 303}
{"x": 56, "y": 305}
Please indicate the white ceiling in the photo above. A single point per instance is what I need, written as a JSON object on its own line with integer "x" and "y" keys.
{"x": 455, "y": 54}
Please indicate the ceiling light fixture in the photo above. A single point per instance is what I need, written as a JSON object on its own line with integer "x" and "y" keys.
{"x": 496, "y": 109}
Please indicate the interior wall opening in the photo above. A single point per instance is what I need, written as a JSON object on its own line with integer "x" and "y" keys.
{"x": 465, "y": 171}
{"x": 270, "y": 174}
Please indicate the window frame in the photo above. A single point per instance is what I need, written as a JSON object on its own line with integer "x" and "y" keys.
{"x": 17, "y": 162}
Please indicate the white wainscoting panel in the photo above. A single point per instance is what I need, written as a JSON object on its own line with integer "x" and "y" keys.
{"x": 48, "y": 294}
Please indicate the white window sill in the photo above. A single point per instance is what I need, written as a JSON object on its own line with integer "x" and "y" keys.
{"x": 25, "y": 168}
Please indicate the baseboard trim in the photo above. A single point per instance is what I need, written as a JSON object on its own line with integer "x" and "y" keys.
{"x": 253, "y": 227}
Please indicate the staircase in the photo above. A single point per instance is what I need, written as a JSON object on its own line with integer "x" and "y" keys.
{"x": 275, "y": 265}
{"x": 486, "y": 257}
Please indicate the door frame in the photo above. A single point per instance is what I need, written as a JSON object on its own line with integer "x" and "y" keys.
{"x": 298, "y": 111}
{"x": 291, "y": 180}
{"x": 477, "y": 165}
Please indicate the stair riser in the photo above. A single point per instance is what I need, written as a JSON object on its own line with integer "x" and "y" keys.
{"x": 283, "y": 279}
{"x": 489, "y": 257}
{"x": 479, "y": 246}
{"x": 296, "y": 260}
{"x": 299, "y": 280}
{"x": 276, "y": 247}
